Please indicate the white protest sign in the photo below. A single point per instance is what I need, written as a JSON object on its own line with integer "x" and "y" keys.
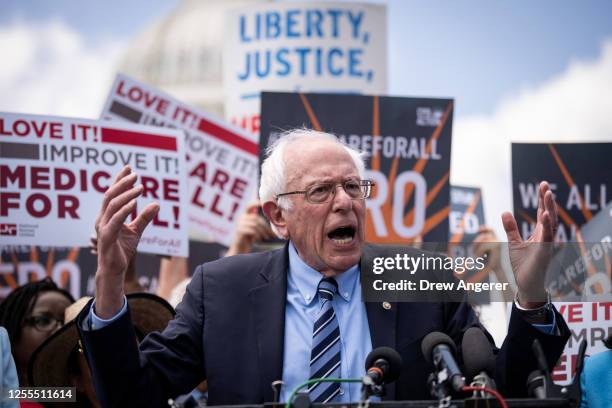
{"x": 54, "y": 173}
{"x": 301, "y": 46}
{"x": 222, "y": 162}
{"x": 590, "y": 321}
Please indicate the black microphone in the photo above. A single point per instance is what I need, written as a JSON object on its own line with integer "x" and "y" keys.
{"x": 580, "y": 360}
{"x": 538, "y": 382}
{"x": 439, "y": 349}
{"x": 383, "y": 366}
{"x": 574, "y": 390}
{"x": 541, "y": 386}
{"x": 478, "y": 357}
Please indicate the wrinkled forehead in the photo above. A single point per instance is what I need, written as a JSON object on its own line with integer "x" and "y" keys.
{"x": 312, "y": 161}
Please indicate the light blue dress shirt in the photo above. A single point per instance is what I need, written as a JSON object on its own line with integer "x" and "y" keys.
{"x": 96, "y": 323}
{"x": 300, "y": 315}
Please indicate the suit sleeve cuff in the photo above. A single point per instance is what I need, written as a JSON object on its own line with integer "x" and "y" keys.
{"x": 548, "y": 328}
{"x": 96, "y": 323}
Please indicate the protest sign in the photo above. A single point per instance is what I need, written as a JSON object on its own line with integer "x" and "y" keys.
{"x": 595, "y": 243}
{"x": 582, "y": 270}
{"x": 590, "y": 321}
{"x": 407, "y": 142}
{"x": 466, "y": 214}
{"x": 338, "y": 47}
{"x": 465, "y": 221}
{"x": 579, "y": 174}
{"x": 55, "y": 171}
{"x": 221, "y": 159}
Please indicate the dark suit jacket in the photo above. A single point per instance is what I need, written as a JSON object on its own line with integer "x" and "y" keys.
{"x": 229, "y": 329}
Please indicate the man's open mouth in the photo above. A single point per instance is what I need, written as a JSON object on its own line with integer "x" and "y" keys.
{"x": 342, "y": 235}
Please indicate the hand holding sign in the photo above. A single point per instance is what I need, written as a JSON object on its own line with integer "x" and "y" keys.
{"x": 117, "y": 241}
{"x": 530, "y": 258}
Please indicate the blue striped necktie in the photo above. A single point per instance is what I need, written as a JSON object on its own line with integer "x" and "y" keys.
{"x": 325, "y": 355}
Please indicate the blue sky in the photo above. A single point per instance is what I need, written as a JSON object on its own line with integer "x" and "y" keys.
{"x": 480, "y": 51}
{"x": 476, "y": 51}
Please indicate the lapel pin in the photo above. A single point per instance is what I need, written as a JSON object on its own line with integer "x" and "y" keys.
{"x": 386, "y": 305}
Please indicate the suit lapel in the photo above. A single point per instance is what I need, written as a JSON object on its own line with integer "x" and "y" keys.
{"x": 382, "y": 323}
{"x": 267, "y": 300}
{"x": 382, "y": 320}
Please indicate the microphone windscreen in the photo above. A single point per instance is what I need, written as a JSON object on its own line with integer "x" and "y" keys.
{"x": 477, "y": 353}
{"x": 391, "y": 356}
{"x": 434, "y": 339}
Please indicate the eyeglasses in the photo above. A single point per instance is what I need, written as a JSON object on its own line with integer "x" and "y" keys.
{"x": 43, "y": 323}
{"x": 321, "y": 193}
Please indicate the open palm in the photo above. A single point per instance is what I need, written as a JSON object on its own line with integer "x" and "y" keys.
{"x": 529, "y": 259}
{"x": 117, "y": 241}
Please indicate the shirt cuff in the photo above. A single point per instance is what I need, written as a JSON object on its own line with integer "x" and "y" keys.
{"x": 97, "y": 323}
{"x": 546, "y": 328}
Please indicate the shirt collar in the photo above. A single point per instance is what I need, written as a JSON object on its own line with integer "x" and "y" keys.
{"x": 307, "y": 279}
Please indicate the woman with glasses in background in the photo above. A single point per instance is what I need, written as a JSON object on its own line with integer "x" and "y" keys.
{"x": 31, "y": 313}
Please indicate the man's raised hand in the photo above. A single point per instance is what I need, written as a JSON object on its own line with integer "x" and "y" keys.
{"x": 117, "y": 241}
{"x": 530, "y": 258}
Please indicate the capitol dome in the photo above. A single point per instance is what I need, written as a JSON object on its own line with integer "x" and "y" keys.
{"x": 181, "y": 53}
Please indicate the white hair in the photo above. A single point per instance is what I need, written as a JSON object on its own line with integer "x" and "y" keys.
{"x": 273, "y": 178}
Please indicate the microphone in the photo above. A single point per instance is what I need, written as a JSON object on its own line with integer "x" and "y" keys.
{"x": 383, "y": 366}
{"x": 536, "y": 384}
{"x": 541, "y": 386}
{"x": 439, "y": 349}
{"x": 478, "y": 357}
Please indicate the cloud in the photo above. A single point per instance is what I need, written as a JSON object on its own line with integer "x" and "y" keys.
{"x": 48, "y": 68}
{"x": 574, "y": 106}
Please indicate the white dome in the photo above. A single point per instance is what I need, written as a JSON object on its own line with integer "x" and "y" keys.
{"x": 181, "y": 53}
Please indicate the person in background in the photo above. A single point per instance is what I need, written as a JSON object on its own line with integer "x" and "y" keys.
{"x": 8, "y": 372}
{"x": 596, "y": 378}
{"x": 487, "y": 243}
{"x": 31, "y": 313}
{"x": 173, "y": 278}
{"x": 60, "y": 360}
{"x": 251, "y": 228}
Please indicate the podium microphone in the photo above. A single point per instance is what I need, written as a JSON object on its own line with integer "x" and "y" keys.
{"x": 383, "y": 366}
{"x": 439, "y": 349}
{"x": 541, "y": 386}
{"x": 478, "y": 358}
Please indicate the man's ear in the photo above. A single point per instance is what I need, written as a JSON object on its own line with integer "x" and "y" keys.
{"x": 275, "y": 214}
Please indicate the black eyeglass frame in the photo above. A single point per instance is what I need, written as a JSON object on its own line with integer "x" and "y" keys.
{"x": 365, "y": 187}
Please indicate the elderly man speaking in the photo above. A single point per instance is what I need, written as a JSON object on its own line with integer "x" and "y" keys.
{"x": 294, "y": 313}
